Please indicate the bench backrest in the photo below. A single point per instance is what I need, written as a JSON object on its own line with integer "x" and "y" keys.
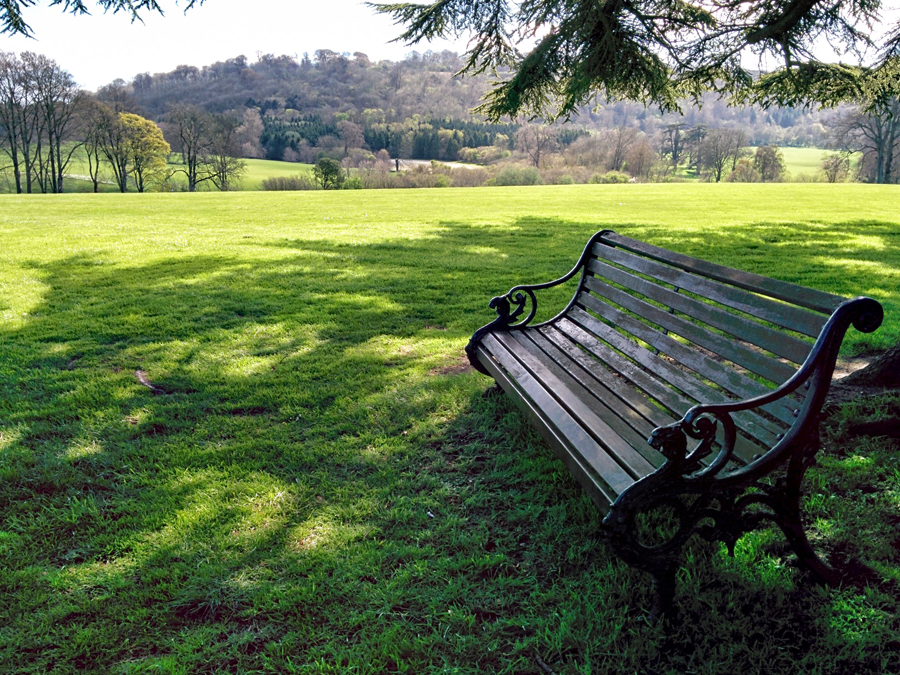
{"x": 705, "y": 332}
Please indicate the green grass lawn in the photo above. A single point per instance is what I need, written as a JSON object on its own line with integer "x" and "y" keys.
{"x": 315, "y": 483}
{"x": 260, "y": 169}
{"x": 803, "y": 160}
{"x": 257, "y": 171}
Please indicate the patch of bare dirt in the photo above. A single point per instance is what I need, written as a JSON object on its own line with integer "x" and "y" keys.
{"x": 844, "y": 367}
{"x": 461, "y": 365}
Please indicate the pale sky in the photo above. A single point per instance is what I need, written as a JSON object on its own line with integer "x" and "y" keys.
{"x": 99, "y": 48}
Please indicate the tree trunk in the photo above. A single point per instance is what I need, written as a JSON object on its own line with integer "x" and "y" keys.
{"x": 882, "y": 372}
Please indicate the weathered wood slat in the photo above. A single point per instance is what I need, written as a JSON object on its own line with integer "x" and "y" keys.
{"x": 752, "y": 429}
{"x": 754, "y": 361}
{"x": 620, "y": 403}
{"x": 589, "y": 332}
{"x": 583, "y": 413}
{"x": 659, "y": 383}
{"x": 735, "y": 383}
{"x": 597, "y": 459}
{"x": 761, "y": 307}
{"x": 802, "y": 296}
{"x": 620, "y": 417}
{"x": 733, "y": 324}
{"x": 607, "y": 381}
{"x": 600, "y": 492}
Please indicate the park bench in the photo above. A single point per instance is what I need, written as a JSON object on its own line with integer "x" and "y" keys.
{"x": 683, "y": 395}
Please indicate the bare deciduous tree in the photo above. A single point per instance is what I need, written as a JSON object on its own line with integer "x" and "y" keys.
{"x": 536, "y": 141}
{"x": 876, "y": 134}
{"x": 836, "y": 167}
{"x": 222, "y": 161}
{"x": 38, "y": 102}
{"x": 188, "y": 135}
{"x": 351, "y": 135}
{"x": 622, "y": 138}
{"x": 94, "y": 118}
{"x": 721, "y": 148}
{"x": 57, "y": 99}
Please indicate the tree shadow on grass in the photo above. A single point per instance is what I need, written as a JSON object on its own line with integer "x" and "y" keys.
{"x": 303, "y": 492}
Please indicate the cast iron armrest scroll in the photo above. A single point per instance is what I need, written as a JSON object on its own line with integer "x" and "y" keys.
{"x": 511, "y": 305}
{"x": 700, "y": 421}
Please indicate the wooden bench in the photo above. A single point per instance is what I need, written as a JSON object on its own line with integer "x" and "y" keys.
{"x": 724, "y": 371}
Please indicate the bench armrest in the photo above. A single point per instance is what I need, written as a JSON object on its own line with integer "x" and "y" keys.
{"x": 511, "y": 305}
{"x": 700, "y": 421}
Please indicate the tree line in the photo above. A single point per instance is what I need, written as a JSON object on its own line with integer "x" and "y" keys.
{"x": 46, "y": 120}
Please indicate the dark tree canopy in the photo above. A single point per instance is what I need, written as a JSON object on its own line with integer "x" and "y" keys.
{"x": 12, "y": 21}
{"x": 660, "y": 51}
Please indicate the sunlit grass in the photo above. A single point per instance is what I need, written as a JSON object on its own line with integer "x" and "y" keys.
{"x": 315, "y": 483}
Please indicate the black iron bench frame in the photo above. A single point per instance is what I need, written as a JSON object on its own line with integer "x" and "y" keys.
{"x": 696, "y": 354}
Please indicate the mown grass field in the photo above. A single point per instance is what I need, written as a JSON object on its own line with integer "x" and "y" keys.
{"x": 260, "y": 169}
{"x": 257, "y": 171}
{"x": 315, "y": 483}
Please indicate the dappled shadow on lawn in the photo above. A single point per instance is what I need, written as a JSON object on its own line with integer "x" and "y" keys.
{"x": 305, "y": 474}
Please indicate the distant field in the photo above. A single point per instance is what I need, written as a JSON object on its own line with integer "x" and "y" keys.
{"x": 238, "y": 435}
{"x": 257, "y": 171}
{"x": 260, "y": 169}
{"x": 797, "y": 161}
{"x": 803, "y": 160}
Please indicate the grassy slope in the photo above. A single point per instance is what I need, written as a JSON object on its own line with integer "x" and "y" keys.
{"x": 803, "y": 160}
{"x": 322, "y": 488}
{"x": 260, "y": 169}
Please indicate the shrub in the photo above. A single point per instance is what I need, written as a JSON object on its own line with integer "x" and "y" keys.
{"x": 835, "y": 167}
{"x": 329, "y": 173}
{"x": 469, "y": 177}
{"x": 299, "y": 182}
{"x": 817, "y": 177}
{"x": 610, "y": 177}
{"x": 743, "y": 173}
{"x": 485, "y": 154}
{"x": 518, "y": 175}
{"x": 353, "y": 183}
{"x": 565, "y": 179}
{"x": 769, "y": 163}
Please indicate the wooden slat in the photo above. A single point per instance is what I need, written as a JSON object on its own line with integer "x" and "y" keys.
{"x": 621, "y": 405}
{"x": 802, "y": 296}
{"x": 628, "y": 424}
{"x": 743, "y": 387}
{"x": 749, "y": 331}
{"x": 754, "y": 431}
{"x": 635, "y": 399}
{"x": 651, "y": 385}
{"x": 752, "y": 424}
{"x": 754, "y": 361}
{"x": 780, "y": 314}
{"x": 600, "y": 492}
{"x": 620, "y": 448}
{"x": 600, "y": 462}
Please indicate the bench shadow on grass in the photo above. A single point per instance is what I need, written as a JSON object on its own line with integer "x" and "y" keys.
{"x": 270, "y": 495}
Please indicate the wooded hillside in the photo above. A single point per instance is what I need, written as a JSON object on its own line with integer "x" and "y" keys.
{"x": 421, "y": 88}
